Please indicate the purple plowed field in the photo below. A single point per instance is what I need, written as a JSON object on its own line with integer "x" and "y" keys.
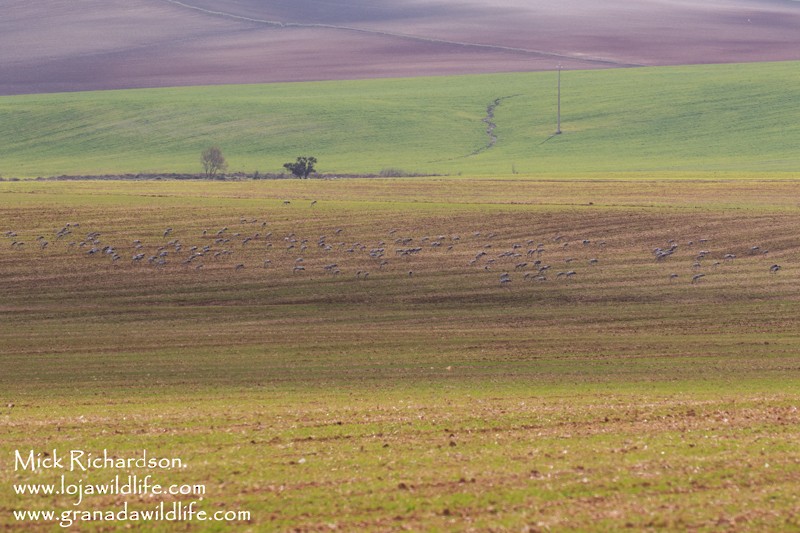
{"x": 58, "y": 45}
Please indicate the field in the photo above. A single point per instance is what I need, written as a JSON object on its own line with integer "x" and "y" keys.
{"x": 732, "y": 119}
{"x": 409, "y": 386}
{"x": 166, "y": 43}
{"x": 591, "y": 331}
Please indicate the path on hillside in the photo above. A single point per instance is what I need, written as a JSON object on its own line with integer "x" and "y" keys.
{"x": 490, "y": 124}
{"x": 490, "y": 127}
{"x": 418, "y": 38}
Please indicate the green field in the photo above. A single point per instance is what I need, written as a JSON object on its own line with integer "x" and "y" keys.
{"x": 710, "y": 118}
{"x": 427, "y": 395}
{"x": 496, "y": 348}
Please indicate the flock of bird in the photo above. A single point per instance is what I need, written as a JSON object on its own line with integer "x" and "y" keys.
{"x": 661, "y": 254}
{"x": 253, "y": 242}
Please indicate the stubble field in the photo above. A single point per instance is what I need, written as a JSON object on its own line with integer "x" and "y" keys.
{"x": 409, "y": 386}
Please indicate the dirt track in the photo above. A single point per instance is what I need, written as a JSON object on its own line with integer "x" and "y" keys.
{"x": 51, "y": 46}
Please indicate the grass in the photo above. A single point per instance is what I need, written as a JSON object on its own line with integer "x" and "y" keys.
{"x": 709, "y": 118}
{"x": 443, "y": 400}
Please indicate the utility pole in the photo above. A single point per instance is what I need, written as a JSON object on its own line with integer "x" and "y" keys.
{"x": 558, "y": 123}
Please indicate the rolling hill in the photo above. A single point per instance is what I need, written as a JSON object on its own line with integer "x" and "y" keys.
{"x": 52, "y": 46}
{"x": 723, "y": 118}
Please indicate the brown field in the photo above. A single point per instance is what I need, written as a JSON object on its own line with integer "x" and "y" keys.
{"x": 616, "y": 399}
{"x": 51, "y": 46}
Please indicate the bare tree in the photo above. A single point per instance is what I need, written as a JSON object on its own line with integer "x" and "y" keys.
{"x": 213, "y": 161}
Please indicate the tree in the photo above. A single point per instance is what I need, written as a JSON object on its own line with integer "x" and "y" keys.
{"x": 302, "y": 167}
{"x": 213, "y": 161}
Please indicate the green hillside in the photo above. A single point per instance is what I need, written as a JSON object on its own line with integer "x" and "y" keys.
{"x": 739, "y": 118}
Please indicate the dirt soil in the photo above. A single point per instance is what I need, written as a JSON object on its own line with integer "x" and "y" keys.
{"x": 52, "y": 45}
